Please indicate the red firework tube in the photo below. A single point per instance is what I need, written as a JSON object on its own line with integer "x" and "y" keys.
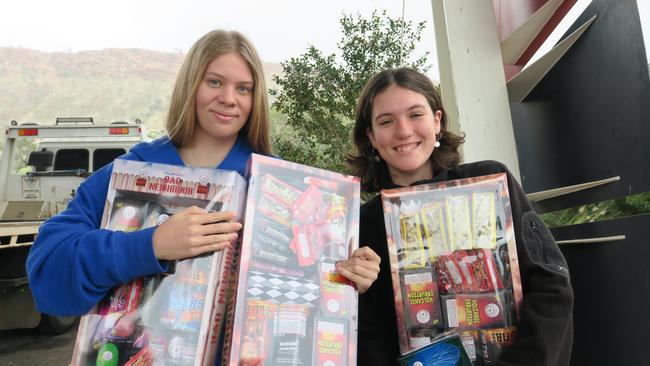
{"x": 322, "y": 183}
{"x": 485, "y": 270}
{"x": 272, "y": 209}
{"x": 450, "y": 278}
{"x": 306, "y": 206}
{"x": 285, "y": 193}
{"x": 306, "y": 243}
{"x": 463, "y": 260}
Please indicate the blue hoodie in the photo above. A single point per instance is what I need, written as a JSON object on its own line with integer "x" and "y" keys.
{"x": 73, "y": 264}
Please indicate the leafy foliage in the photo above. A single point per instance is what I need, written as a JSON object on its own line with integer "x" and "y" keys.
{"x": 318, "y": 92}
{"x": 600, "y": 211}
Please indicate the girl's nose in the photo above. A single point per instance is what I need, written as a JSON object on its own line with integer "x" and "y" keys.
{"x": 403, "y": 129}
{"x": 226, "y": 95}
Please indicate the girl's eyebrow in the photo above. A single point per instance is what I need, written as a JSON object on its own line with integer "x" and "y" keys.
{"x": 212, "y": 73}
{"x": 415, "y": 106}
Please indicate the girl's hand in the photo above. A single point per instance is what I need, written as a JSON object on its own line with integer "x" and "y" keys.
{"x": 362, "y": 268}
{"x": 194, "y": 231}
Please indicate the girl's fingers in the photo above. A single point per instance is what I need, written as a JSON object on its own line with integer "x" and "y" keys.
{"x": 208, "y": 240}
{"x": 193, "y": 210}
{"x": 218, "y": 228}
{"x": 220, "y": 216}
{"x": 347, "y": 274}
{"x": 368, "y": 265}
{"x": 362, "y": 283}
{"x": 367, "y": 253}
{"x": 210, "y": 248}
{"x": 357, "y": 271}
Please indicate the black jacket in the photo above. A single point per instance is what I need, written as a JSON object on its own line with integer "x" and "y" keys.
{"x": 545, "y": 328}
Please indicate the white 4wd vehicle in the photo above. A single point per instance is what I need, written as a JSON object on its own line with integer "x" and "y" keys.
{"x": 40, "y": 170}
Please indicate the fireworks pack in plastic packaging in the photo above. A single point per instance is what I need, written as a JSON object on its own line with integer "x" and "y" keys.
{"x": 454, "y": 264}
{"x": 169, "y": 319}
{"x": 292, "y": 307}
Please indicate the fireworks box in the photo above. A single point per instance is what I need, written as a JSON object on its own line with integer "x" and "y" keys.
{"x": 454, "y": 263}
{"x": 292, "y": 307}
{"x": 169, "y": 319}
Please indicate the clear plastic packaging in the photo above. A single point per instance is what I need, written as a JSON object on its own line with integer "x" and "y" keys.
{"x": 169, "y": 319}
{"x": 292, "y": 307}
{"x": 454, "y": 263}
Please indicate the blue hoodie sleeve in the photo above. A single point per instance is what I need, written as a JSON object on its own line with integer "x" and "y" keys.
{"x": 73, "y": 264}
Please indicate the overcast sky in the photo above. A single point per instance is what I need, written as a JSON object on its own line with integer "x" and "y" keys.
{"x": 280, "y": 29}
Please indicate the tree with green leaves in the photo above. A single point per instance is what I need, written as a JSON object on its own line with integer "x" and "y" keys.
{"x": 318, "y": 92}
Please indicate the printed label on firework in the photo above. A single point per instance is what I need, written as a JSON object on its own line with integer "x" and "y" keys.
{"x": 330, "y": 342}
{"x": 473, "y": 310}
{"x": 335, "y": 296}
{"x": 493, "y": 341}
{"x": 421, "y": 300}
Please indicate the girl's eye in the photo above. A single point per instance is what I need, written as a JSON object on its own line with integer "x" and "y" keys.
{"x": 385, "y": 122}
{"x": 416, "y": 115}
{"x": 214, "y": 83}
{"x": 245, "y": 89}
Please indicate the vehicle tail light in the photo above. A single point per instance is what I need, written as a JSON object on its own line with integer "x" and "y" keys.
{"x": 28, "y": 132}
{"x": 119, "y": 130}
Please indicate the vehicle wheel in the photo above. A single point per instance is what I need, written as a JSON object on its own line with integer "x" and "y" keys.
{"x": 55, "y": 324}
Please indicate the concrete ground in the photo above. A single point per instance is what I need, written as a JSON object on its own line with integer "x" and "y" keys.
{"x": 26, "y": 347}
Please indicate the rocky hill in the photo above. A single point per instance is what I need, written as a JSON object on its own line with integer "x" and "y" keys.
{"x": 109, "y": 84}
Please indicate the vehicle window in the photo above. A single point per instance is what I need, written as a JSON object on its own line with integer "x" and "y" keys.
{"x": 71, "y": 159}
{"x": 18, "y": 165}
{"x": 102, "y": 157}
